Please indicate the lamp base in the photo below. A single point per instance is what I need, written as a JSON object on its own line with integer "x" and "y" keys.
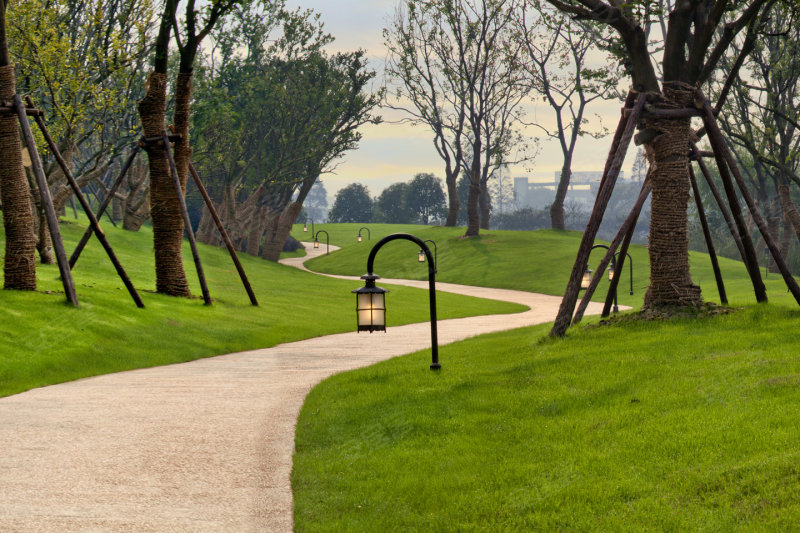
{"x": 436, "y": 366}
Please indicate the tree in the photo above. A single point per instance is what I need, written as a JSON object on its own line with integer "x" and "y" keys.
{"x": 556, "y": 51}
{"x": 428, "y": 92}
{"x": 352, "y": 204}
{"x": 168, "y": 225}
{"x": 391, "y": 206}
{"x": 460, "y": 71}
{"x": 425, "y": 198}
{"x": 316, "y": 204}
{"x": 692, "y": 46}
{"x": 19, "y": 267}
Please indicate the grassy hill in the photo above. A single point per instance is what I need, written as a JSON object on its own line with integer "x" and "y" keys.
{"x": 537, "y": 261}
{"x": 45, "y": 341}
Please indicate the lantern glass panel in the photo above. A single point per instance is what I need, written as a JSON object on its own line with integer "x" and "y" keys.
{"x": 587, "y": 279}
{"x": 359, "y": 238}
{"x": 316, "y": 243}
{"x": 610, "y": 273}
{"x": 421, "y": 257}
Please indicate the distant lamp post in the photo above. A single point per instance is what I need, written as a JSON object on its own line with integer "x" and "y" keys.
{"x": 305, "y": 226}
{"x": 587, "y": 275}
{"x": 370, "y": 303}
{"x": 327, "y": 241}
{"x": 369, "y": 235}
{"x": 421, "y": 255}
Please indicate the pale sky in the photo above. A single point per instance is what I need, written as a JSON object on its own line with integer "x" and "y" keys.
{"x": 389, "y": 153}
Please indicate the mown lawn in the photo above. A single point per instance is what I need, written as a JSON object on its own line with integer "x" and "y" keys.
{"x": 683, "y": 425}
{"x": 536, "y": 261}
{"x": 43, "y": 340}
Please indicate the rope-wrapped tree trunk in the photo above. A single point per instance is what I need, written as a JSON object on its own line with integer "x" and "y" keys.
{"x": 165, "y": 207}
{"x": 19, "y": 268}
{"x": 670, "y": 282}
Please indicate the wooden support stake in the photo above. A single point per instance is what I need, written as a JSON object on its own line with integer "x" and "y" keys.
{"x": 701, "y": 213}
{"x": 88, "y": 233}
{"x": 630, "y": 222}
{"x": 726, "y": 214}
{"x": 720, "y": 148}
{"x": 6, "y": 110}
{"x": 47, "y": 202}
{"x": 186, "y": 221}
{"x": 93, "y": 223}
{"x": 567, "y": 306}
{"x": 225, "y": 237}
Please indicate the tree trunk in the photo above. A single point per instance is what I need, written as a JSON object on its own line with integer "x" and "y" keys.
{"x": 206, "y": 230}
{"x": 453, "y": 204}
{"x": 19, "y": 267}
{"x": 483, "y": 202}
{"x": 670, "y": 281}
{"x": 557, "y": 208}
{"x": 136, "y": 207}
{"x": 165, "y": 207}
{"x": 774, "y": 224}
{"x": 789, "y": 209}
{"x": 274, "y": 240}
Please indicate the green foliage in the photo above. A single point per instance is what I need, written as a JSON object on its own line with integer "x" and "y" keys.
{"x": 682, "y": 425}
{"x": 425, "y": 198}
{"x": 352, "y": 204}
{"x": 391, "y": 207}
{"x": 45, "y": 341}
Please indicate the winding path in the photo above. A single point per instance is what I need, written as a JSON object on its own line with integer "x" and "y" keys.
{"x": 199, "y": 446}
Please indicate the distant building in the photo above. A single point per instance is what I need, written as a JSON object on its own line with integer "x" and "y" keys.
{"x": 582, "y": 190}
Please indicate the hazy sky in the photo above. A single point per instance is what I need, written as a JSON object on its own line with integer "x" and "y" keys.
{"x": 389, "y": 153}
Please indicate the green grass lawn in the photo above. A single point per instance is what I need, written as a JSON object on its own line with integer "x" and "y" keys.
{"x": 46, "y": 341}
{"x": 676, "y": 426}
{"x": 536, "y": 261}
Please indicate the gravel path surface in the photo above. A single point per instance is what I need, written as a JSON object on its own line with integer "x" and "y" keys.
{"x": 200, "y": 446}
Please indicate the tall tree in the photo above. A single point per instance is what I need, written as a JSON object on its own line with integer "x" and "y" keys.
{"x": 427, "y": 89}
{"x": 425, "y": 197}
{"x": 460, "y": 75}
{"x": 19, "y": 267}
{"x": 568, "y": 78}
{"x": 692, "y": 46}
{"x": 168, "y": 225}
{"x": 391, "y": 207}
{"x": 352, "y": 204}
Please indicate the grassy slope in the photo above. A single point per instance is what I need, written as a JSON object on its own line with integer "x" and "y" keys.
{"x": 538, "y": 261}
{"x": 45, "y": 341}
{"x": 684, "y": 425}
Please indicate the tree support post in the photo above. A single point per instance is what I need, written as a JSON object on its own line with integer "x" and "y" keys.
{"x": 106, "y": 201}
{"x": 625, "y": 229}
{"x": 616, "y": 157}
{"x": 186, "y": 221}
{"x": 93, "y": 223}
{"x": 722, "y": 151}
{"x": 47, "y": 200}
{"x": 223, "y": 233}
{"x": 701, "y": 213}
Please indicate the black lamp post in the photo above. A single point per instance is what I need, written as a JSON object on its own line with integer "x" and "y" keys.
{"x": 370, "y": 303}
{"x": 305, "y": 226}
{"x": 327, "y": 241}
{"x": 369, "y": 235}
{"x": 587, "y": 275}
{"x": 421, "y": 255}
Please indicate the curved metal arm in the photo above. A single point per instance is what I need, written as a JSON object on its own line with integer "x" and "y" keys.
{"x": 630, "y": 262}
{"x": 369, "y": 235}
{"x": 431, "y": 284}
{"x": 327, "y": 240}
{"x": 435, "y": 255}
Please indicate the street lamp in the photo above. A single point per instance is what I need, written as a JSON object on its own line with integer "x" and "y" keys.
{"x": 369, "y": 235}
{"x": 421, "y": 255}
{"x": 586, "y": 280}
{"x": 327, "y": 241}
{"x": 370, "y": 303}
{"x": 305, "y": 226}
{"x": 587, "y": 275}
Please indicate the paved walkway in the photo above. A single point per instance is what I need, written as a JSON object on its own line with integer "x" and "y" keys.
{"x": 200, "y": 446}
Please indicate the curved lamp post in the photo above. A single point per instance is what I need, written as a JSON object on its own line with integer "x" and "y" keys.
{"x": 369, "y": 235}
{"x": 421, "y": 255}
{"x": 370, "y": 302}
{"x": 327, "y": 241}
{"x": 305, "y": 226}
{"x": 587, "y": 274}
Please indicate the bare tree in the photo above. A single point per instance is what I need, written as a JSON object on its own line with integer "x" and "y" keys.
{"x": 558, "y": 58}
